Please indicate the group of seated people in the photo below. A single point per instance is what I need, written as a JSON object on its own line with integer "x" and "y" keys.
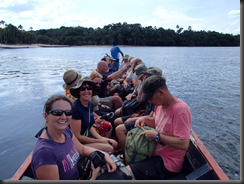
{"x": 90, "y": 117}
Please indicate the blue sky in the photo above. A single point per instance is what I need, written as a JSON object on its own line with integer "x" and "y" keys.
{"x": 214, "y": 15}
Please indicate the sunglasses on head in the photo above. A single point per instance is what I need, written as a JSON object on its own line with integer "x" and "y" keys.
{"x": 84, "y": 88}
{"x": 58, "y": 112}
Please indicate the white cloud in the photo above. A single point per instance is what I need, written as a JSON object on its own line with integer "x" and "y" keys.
{"x": 169, "y": 16}
{"x": 234, "y": 13}
{"x": 235, "y": 22}
{"x": 6, "y": 3}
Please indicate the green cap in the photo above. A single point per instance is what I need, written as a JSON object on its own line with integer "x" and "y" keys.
{"x": 150, "y": 85}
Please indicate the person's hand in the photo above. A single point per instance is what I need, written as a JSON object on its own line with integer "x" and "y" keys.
{"x": 150, "y": 134}
{"x": 105, "y": 106}
{"x": 113, "y": 143}
{"x": 126, "y": 67}
{"x": 110, "y": 163}
{"x": 103, "y": 141}
{"x": 94, "y": 172}
{"x": 126, "y": 85}
{"x": 130, "y": 96}
{"x": 140, "y": 122}
{"x": 98, "y": 119}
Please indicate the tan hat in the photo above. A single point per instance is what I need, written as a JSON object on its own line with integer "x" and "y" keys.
{"x": 75, "y": 90}
{"x": 111, "y": 58}
{"x": 70, "y": 78}
{"x": 138, "y": 71}
{"x": 154, "y": 71}
{"x": 126, "y": 56}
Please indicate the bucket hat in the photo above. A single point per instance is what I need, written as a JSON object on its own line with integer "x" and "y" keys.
{"x": 138, "y": 71}
{"x": 75, "y": 90}
{"x": 70, "y": 78}
{"x": 150, "y": 85}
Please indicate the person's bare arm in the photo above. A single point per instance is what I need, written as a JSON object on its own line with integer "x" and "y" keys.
{"x": 47, "y": 172}
{"x": 174, "y": 142}
{"x": 118, "y": 74}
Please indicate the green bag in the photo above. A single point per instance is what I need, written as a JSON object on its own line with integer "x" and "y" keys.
{"x": 137, "y": 146}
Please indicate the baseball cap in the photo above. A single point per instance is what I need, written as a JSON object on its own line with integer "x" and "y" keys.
{"x": 138, "y": 71}
{"x": 150, "y": 85}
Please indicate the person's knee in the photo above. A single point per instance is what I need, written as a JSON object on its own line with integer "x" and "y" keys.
{"x": 118, "y": 112}
{"x": 117, "y": 122}
{"x": 109, "y": 148}
{"x": 120, "y": 130}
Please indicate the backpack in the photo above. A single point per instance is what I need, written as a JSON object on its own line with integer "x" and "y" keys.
{"x": 132, "y": 106}
{"x": 137, "y": 146}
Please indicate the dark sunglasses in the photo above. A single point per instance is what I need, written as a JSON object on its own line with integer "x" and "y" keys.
{"x": 98, "y": 83}
{"x": 84, "y": 88}
{"x": 58, "y": 112}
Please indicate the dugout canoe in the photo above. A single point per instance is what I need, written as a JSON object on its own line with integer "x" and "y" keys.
{"x": 199, "y": 164}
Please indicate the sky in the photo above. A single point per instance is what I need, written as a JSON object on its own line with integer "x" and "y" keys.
{"x": 222, "y": 16}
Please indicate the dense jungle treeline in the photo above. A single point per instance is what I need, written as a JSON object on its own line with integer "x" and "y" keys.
{"x": 124, "y": 34}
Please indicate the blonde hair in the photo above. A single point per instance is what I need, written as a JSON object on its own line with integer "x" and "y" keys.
{"x": 95, "y": 74}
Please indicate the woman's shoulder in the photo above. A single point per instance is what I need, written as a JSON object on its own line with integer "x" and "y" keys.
{"x": 68, "y": 131}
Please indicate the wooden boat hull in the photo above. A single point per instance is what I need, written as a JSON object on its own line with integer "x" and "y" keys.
{"x": 199, "y": 164}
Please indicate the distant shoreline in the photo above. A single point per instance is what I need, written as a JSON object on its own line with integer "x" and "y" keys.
{"x": 37, "y": 45}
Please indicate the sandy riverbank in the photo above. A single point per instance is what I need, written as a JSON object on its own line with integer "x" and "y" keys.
{"x": 37, "y": 45}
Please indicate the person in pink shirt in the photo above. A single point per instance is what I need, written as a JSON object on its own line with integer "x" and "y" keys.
{"x": 172, "y": 122}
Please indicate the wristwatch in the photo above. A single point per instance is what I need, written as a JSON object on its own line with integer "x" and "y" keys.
{"x": 157, "y": 137}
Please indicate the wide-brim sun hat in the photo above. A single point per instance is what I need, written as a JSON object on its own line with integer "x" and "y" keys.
{"x": 75, "y": 90}
{"x": 70, "y": 78}
{"x": 138, "y": 71}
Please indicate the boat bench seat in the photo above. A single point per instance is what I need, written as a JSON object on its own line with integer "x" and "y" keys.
{"x": 195, "y": 167}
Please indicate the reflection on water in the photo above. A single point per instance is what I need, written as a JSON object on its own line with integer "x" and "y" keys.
{"x": 206, "y": 78}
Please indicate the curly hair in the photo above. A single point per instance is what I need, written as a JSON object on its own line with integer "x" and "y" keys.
{"x": 95, "y": 74}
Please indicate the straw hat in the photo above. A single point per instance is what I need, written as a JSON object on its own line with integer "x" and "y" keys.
{"x": 70, "y": 78}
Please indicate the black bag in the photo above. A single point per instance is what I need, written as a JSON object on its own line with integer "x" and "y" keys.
{"x": 132, "y": 106}
{"x": 122, "y": 92}
{"x": 84, "y": 164}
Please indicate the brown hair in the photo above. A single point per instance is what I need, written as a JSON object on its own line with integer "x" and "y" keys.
{"x": 49, "y": 103}
{"x": 137, "y": 61}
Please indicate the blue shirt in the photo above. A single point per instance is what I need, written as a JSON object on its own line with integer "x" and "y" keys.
{"x": 80, "y": 112}
{"x": 110, "y": 69}
{"x": 115, "y": 52}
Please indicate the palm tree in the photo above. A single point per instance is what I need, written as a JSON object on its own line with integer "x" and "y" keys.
{"x": 2, "y": 22}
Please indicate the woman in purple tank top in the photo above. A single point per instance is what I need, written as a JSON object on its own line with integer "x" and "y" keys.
{"x": 57, "y": 151}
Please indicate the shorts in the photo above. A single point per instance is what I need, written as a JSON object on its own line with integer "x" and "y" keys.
{"x": 130, "y": 125}
{"x": 106, "y": 101}
{"x": 124, "y": 118}
{"x": 151, "y": 169}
